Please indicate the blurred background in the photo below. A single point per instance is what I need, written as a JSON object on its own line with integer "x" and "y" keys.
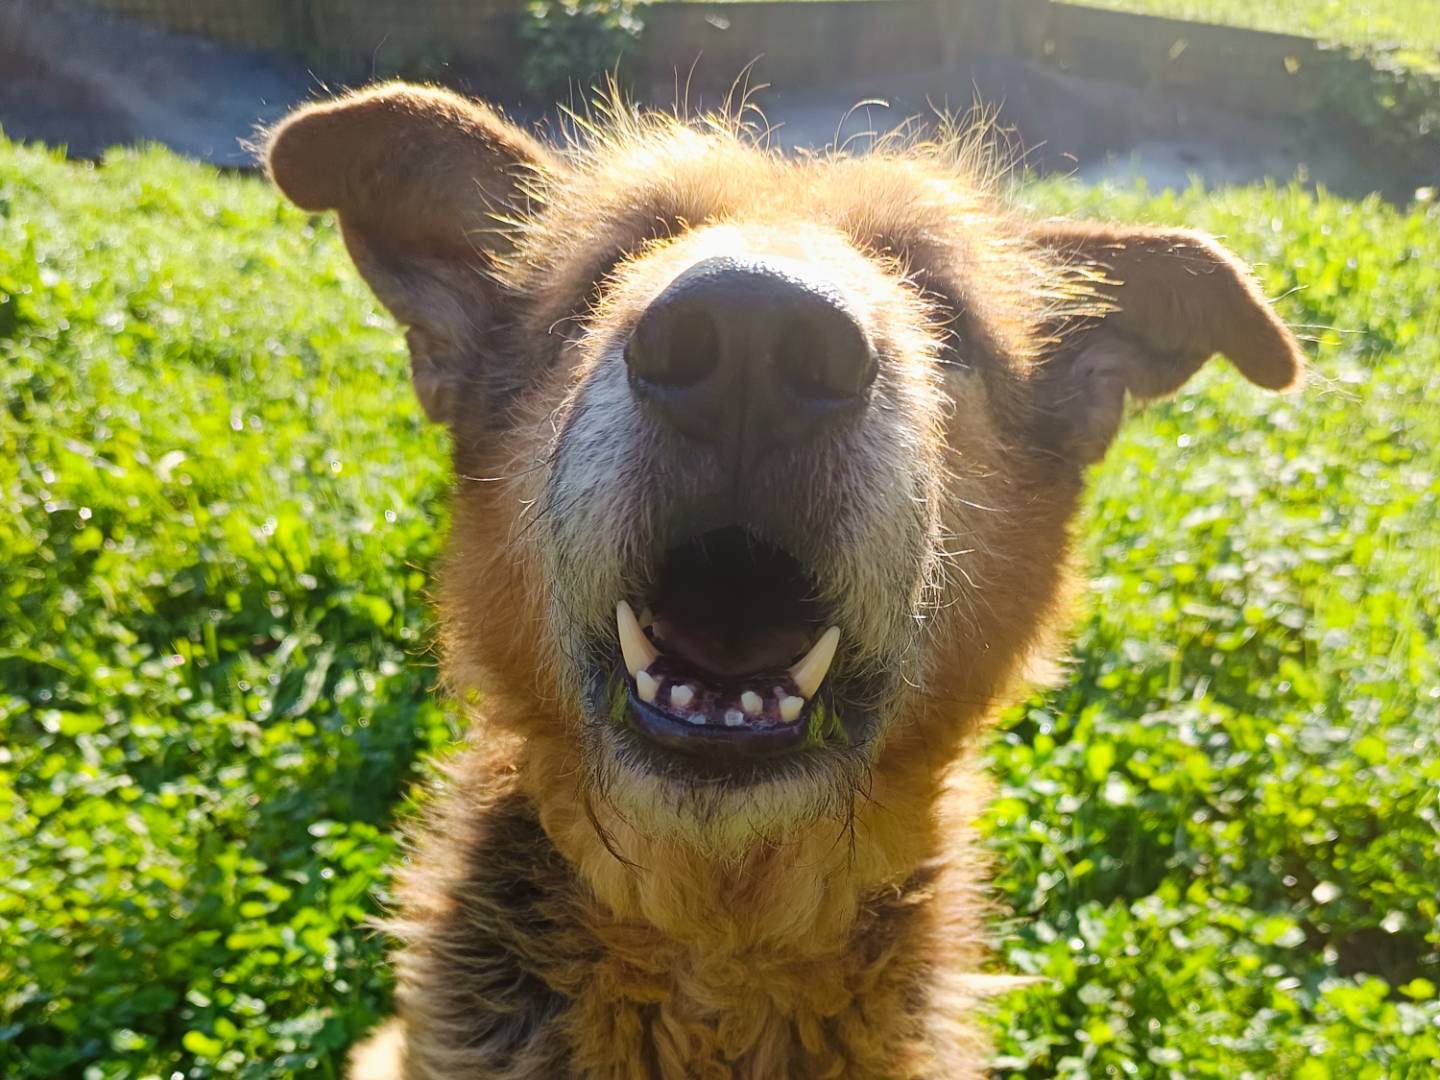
{"x": 1337, "y": 93}
{"x": 1216, "y": 840}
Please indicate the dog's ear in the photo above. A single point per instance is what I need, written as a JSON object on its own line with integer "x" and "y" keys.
{"x": 1159, "y": 304}
{"x": 421, "y": 180}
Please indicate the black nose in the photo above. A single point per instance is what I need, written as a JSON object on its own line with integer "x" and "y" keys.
{"x": 749, "y": 355}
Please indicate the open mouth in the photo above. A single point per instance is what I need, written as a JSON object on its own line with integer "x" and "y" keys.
{"x": 730, "y": 654}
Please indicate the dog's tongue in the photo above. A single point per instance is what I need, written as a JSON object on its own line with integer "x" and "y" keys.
{"x": 731, "y": 652}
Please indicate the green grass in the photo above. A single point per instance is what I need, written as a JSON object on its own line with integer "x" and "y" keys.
{"x": 1224, "y": 832}
{"x": 1220, "y": 838}
{"x": 1405, "y": 24}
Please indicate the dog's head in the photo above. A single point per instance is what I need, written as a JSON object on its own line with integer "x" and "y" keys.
{"x": 764, "y": 465}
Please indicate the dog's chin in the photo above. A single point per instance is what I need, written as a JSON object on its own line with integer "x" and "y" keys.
{"x": 726, "y": 791}
{"x": 724, "y": 812}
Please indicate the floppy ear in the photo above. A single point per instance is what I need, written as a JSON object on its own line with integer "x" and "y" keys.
{"x": 1164, "y": 302}
{"x": 419, "y": 177}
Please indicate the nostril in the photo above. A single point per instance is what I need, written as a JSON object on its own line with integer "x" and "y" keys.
{"x": 800, "y": 360}
{"x": 678, "y": 351}
{"x": 824, "y": 359}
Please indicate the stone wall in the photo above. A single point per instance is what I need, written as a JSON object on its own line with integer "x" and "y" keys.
{"x": 835, "y": 41}
{"x": 261, "y": 24}
{"x": 710, "y": 46}
{"x": 478, "y": 30}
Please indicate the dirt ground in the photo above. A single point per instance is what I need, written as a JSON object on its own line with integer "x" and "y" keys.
{"x": 88, "y": 81}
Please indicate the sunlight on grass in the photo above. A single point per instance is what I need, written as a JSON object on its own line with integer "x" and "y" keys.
{"x": 1220, "y": 838}
{"x": 1409, "y": 25}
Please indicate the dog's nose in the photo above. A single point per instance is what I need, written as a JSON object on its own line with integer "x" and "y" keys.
{"x": 748, "y": 355}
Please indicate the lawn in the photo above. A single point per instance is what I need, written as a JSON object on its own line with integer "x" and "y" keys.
{"x": 1219, "y": 838}
{"x": 1405, "y": 24}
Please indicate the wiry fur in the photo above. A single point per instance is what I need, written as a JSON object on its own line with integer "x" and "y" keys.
{"x": 573, "y": 908}
{"x": 729, "y": 970}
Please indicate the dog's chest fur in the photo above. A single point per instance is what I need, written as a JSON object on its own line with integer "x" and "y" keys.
{"x": 511, "y": 968}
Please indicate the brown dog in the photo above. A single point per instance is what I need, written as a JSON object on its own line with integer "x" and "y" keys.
{"x": 765, "y": 473}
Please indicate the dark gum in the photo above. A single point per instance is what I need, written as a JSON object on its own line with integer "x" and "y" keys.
{"x": 713, "y": 698}
{"x": 665, "y": 729}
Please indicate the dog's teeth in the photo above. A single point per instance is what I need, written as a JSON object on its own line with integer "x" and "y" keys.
{"x": 681, "y": 695}
{"x": 752, "y": 702}
{"x": 696, "y": 719}
{"x": 810, "y": 672}
{"x": 734, "y": 718}
{"x": 634, "y": 645}
{"x": 790, "y": 708}
{"x": 646, "y": 685}
{"x": 647, "y": 617}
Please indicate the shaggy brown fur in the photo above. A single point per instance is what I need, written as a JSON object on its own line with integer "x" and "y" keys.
{"x": 572, "y": 907}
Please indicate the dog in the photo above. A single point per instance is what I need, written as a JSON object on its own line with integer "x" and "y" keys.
{"x": 766, "y": 468}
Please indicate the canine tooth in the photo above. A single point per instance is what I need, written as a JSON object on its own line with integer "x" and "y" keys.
{"x": 647, "y": 617}
{"x": 647, "y": 685}
{"x": 681, "y": 695}
{"x": 634, "y": 645}
{"x": 752, "y": 702}
{"x": 696, "y": 719}
{"x": 790, "y": 708}
{"x": 734, "y": 718}
{"x": 810, "y": 672}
